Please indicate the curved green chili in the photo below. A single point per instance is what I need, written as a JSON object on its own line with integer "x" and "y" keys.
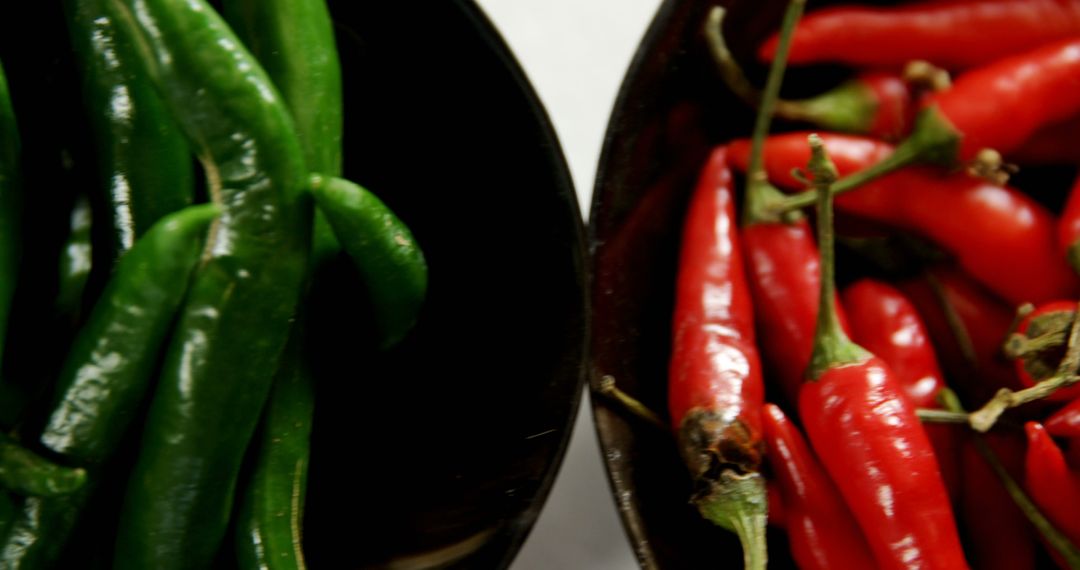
{"x": 143, "y": 160}
{"x": 294, "y": 42}
{"x": 382, "y": 248}
{"x": 269, "y": 523}
{"x": 216, "y": 375}
{"x": 107, "y": 373}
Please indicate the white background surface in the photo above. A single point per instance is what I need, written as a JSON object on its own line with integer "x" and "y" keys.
{"x": 575, "y": 53}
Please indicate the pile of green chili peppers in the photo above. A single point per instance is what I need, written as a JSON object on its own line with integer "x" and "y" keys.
{"x": 192, "y": 353}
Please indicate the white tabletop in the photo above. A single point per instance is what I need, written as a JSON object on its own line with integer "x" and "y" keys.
{"x": 576, "y": 52}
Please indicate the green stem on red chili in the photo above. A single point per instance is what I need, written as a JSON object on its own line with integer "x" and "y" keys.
{"x": 759, "y": 193}
{"x": 933, "y": 141}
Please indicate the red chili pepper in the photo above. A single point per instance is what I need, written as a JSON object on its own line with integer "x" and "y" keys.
{"x": 876, "y": 103}
{"x": 1069, "y": 223}
{"x": 884, "y": 322}
{"x": 949, "y": 34}
{"x": 782, "y": 267}
{"x": 1050, "y": 483}
{"x": 1001, "y": 538}
{"x": 1002, "y": 104}
{"x": 1038, "y": 361}
{"x": 868, "y": 436}
{"x": 968, "y": 326}
{"x": 999, "y": 235}
{"x": 715, "y": 391}
{"x": 1065, "y": 422}
{"x": 821, "y": 530}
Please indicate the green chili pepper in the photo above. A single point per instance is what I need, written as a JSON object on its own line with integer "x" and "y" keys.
{"x": 26, "y": 473}
{"x": 270, "y": 519}
{"x": 107, "y": 372}
{"x": 10, "y": 183}
{"x": 75, "y": 261}
{"x": 382, "y": 248}
{"x": 144, "y": 162}
{"x": 294, "y": 41}
{"x": 217, "y": 374}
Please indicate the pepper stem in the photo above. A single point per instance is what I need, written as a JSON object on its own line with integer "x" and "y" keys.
{"x": 984, "y": 418}
{"x": 739, "y": 503}
{"x": 831, "y": 344}
{"x": 759, "y": 193}
{"x": 933, "y": 140}
{"x": 630, "y": 403}
{"x": 849, "y": 107}
{"x": 1054, "y": 537}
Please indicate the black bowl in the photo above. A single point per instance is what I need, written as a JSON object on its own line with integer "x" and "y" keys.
{"x": 440, "y": 452}
{"x": 672, "y": 109}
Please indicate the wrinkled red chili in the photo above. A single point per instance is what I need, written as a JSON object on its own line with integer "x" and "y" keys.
{"x": 715, "y": 390}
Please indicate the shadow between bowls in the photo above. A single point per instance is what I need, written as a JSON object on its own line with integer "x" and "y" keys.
{"x": 441, "y": 452}
{"x": 672, "y": 109}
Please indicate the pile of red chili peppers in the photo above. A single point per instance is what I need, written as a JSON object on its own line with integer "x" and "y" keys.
{"x": 900, "y": 380}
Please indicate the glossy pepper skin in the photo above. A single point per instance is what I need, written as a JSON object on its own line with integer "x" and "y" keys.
{"x": 108, "y": 374}
{"x": 1050, "y": 483}
{"x": 968, "y": 326}
{"x": 784, "y": 274}
{"x": 953, "y": 34}
{"x": 1001, "y": 537}
{"x": 144, "y": 165}
{"x": 865, "y": 432}
{"x": 216, "y": 376}
{"x": 294, "y": 42}
{"x": 76, "y": 261}
{"x": 1040, "y": 365}
{"x": 821, "y": 530}
{"x": 884, "y": 321}
{"x": 383, "y": 250}
{"x": 871, "y": 442}
{"x": 715, "y": 389}
{"x": 1032, "y": 89}
{"x": 999, "y": 235}
{"x": 1065, "y": 422}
